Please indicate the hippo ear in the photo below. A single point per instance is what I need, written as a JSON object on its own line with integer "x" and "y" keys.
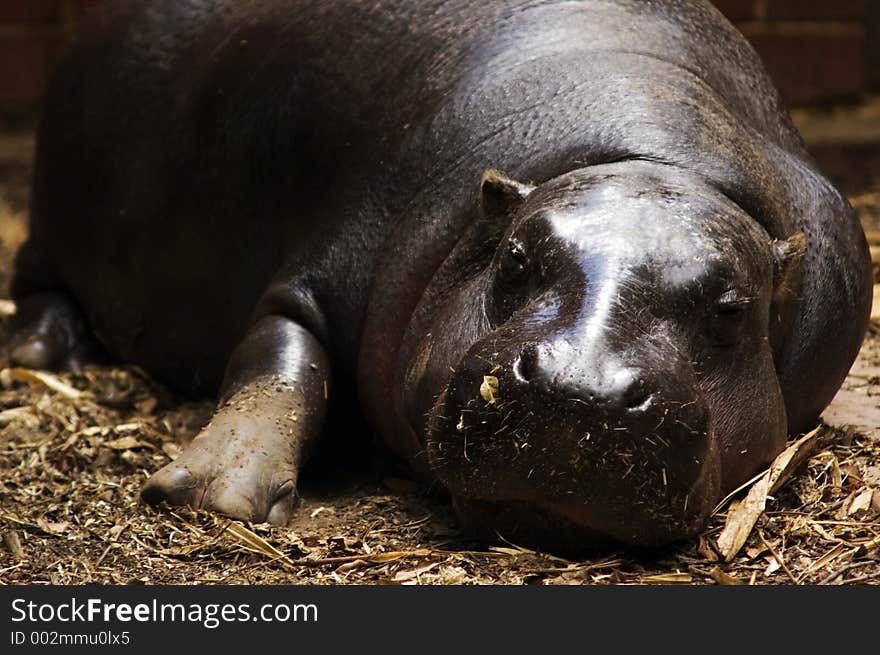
{"x": 787, "y": 256}
{"x": 502, "y": 195}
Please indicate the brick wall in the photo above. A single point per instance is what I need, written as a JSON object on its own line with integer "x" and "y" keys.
{"x": 32, "y": 35}
{"x": 818, "y": 51}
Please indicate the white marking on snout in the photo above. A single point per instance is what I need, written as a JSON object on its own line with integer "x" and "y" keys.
{"x": 604, "y": 299}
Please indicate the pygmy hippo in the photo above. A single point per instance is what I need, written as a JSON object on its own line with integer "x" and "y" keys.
{"x": 571, "y": 257}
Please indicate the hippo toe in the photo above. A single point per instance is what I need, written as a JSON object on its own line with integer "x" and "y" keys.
{"x": 235, "y": 471}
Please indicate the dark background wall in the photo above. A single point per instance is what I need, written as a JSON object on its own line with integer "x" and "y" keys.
{"x": 32, "y": 36}
{"x": 818, "y": 51}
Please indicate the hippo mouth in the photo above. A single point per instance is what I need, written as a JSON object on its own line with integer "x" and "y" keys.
{"x": 572, "y": 529}
{"x": 555, "y": 477}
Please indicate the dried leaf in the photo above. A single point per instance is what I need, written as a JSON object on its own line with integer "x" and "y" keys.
{"x": 667, "y": 578}
{"x": 724, "y": 578}
{"x": 871, "y": 476}
{"x": 773, "y": 565}
{"x": 48, "y": 380}
{"x": 706, "y": 551}
{"x": 828, "y": 558}
{"x": 348, "y": 567}
{"x": 382, "y": 558}
{"x": 836, "y": 476}
{"x": 741, "y": 518}
{"x": 489, "y": 389}
{"x": 852, "y": 473}
{"x": 513, "y": 550}
{"x": 788, "y": 461}
{"x": 861, "y": 501}
{"x": 754, "y": 551}
{"x": 403, "y": 576}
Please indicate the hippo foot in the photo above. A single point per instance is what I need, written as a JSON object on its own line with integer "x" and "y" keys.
{"x": 237, "y": 466}
{"x": 48, "y": 332}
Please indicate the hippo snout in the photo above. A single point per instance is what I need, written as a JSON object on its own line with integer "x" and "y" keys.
{"x": 614, "y": 446}
{"x": 616, "y": 387}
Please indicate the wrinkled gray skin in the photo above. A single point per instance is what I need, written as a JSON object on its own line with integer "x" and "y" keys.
{"x": 598, "y": 342}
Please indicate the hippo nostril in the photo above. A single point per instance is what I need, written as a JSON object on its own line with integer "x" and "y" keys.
{"x": 523, "y": 366}
{"x": 521, "y": 369}
{"x": 637, "y": 398}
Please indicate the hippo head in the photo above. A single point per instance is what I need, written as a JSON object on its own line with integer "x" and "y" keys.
{"x": 610, "y": 372}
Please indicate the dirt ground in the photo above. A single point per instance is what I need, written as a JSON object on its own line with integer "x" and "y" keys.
{"x": 75, "y": 449}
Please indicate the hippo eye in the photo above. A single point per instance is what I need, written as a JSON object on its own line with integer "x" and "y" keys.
{"x": 729, "y": 317}
{"x": 732, "y": 303}
{"x": 513, "y": 268}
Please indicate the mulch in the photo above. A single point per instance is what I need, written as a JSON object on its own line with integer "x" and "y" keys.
{"x": 75, "y": 449}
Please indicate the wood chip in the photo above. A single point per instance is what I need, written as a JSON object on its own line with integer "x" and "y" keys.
{"x": 13, "y": 544}
{"x": 53, "y": 527}
{"x": 127, "y": 443}
{"x": 253, "y": 542}
{"x": 130, "y": 427}
{"x": 19, "y": 414}
{"x": 88, "y": 432}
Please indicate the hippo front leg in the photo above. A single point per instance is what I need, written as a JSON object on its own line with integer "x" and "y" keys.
{"x": 48, "y": 331}
{"x": 245, "y": 462}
